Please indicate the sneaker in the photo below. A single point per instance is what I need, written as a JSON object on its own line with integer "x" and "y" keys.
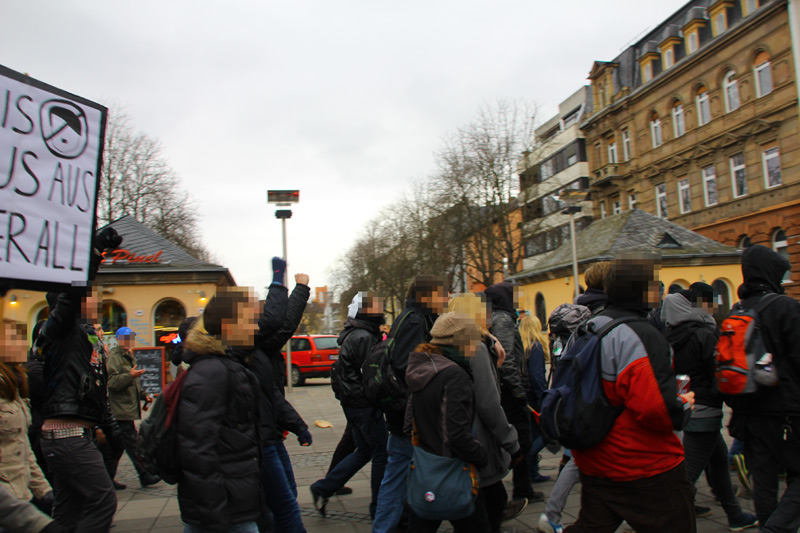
{"x": 320, "y": 501}
{"x": 741, "y": 470}
{"x": 744, "y": 521}
{"x": 539, "y": 478}
{"x": 344, "y": 491}
{"x": 700, "y": 512}
{"x": 148, "y": 480}
{"x": 120, "y": 486}
{"x": 513, "y": 509}
{"x": 546, "y": 526}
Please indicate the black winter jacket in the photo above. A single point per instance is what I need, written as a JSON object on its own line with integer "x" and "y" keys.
{"x": 780, "y": 327}
{"x": 442, "y": 406}
{"x": 278, "y": 322}
{"x": 693, "y": 346}
{"x": 360, "y": 334}
{"x": 413, "y": 331}
{"x": 504, "y": 327}
{"x": 277, "y": 413}
{"x": 217, "y": 429}
{"x": 594, "y": 299}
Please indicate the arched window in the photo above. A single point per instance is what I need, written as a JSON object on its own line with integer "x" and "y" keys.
{"x": 731, "y": 89}
{"x": 722, "y": 295}
{"x": 167, "y": 317}
{"x": 763, "y": 72}
{"x": 655, "y": 130}
{"x": 541, "y": 310}
{"x": 703, "y": 106}
{"x": 744, "y": 242}
{"x": 781, "y": 245}
{"x": 114, "y": 316}
{"x": 678, "y": 124}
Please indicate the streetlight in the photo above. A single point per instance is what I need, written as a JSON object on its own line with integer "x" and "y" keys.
{"x": 285, "y": 198}
{"x": 575, "y": 196}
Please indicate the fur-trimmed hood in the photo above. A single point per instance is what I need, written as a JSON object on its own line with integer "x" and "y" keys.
{"x": 199, "y": 342}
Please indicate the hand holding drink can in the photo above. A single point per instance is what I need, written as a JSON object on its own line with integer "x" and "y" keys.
{"x": 684, "y": 382}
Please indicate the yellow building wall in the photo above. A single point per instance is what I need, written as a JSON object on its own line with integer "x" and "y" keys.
{"x": 139, "y": 302}
{"x": 561, "y": 290}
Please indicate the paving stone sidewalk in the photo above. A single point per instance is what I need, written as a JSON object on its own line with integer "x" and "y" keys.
{"x": 155, "y": 509}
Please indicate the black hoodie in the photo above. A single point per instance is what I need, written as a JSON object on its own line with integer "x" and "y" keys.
{"x": 504, "y": 327}
{"x": 356, "y": 340}
{"x": 763, "y": 270}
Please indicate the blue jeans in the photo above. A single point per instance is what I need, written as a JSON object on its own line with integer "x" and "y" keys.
{"x": 392, "y": 496}
{"x": 286, "y": 461}
{"x": 369, "y": 434}
{"x": 538, "y": 446}
{"x": 278, "y": 491}
{"x": 245, "y": 527}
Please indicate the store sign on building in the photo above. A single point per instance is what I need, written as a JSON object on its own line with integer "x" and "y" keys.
{"x": 126, "y": 256}
{"x": 51, "y": 146}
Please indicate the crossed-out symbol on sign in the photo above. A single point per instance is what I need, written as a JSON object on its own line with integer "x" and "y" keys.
{"x": 64, "y": 128}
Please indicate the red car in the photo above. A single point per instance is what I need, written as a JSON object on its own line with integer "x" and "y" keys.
{"x": 312, "y": 356}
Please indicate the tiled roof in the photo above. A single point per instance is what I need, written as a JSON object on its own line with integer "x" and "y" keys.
{"x": 632, "y": 231}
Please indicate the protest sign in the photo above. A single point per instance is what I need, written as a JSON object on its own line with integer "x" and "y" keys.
{"x": 151, "y": 360}
{"x": 51, "y": 150}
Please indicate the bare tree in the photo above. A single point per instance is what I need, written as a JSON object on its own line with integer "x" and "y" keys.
{"x": 138, "y": 181}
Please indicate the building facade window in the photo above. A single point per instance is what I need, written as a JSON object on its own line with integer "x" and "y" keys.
{"x": 114, "y": 316}
{"x": 602, "y": 209}
{"x": 781, "y": 245}
{"x": 731, "y": 87}
{"x": 655, "y": 131}
{"x": 669, "y": 58}
{"x": 763, "y": 72}
{"x": 617, "y": 208}
{"x": 661, "y": 200}
{"x": 772, "y": 167}
{"x": 631, "y": 201}
{"x": 710, "y": 185}
{"x": 626, "y": 145}
{"x": 678, "y": 124}
{"x": 738, "y": 175}
{"x": 748, "y": 6}
{"x": 598, "y": 155}
{"x": 703, "y": 107}
{"x": 685, "y": 195}
{"x": 692, "y": 44}
{"x": 612, "y": 152}
{"x": 744, "y": 242}
{"x": 720, "y": 23}
{"x": 647, "y": 72}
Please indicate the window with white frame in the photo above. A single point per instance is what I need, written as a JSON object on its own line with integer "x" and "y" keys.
{"x": 781, "y": 245}
{"x": 626, "y": 145}
{"x": 763, "y": 72}
{"x": 772, "y": 167}
{"x": 731, "y": 88}
{"x": 738, "y": 175}
{"x": 710, "y": 185}
{"x": 685, "y": 195}
{"x": 598, "y": 155}
{"x": 647, "y": 72}
{"x": 547, "y": 169}
{"x": 631, "y": 200}
{"x": 703, "y": 107}
{"x": 693, "y": 43}
{"x": 661, "y": 200}
{"x": 572, "y": 159}
{"x": 678, "y": 124}
{"x": 669, "y": 58}
{"x": 750, "y": 6}
{"x": 612, "y": 152}
{"x": 617, "y": 208}
{"x": 602, "y": 209}
{"x": 720, "y": 23}
{"x": 655, "y": 131}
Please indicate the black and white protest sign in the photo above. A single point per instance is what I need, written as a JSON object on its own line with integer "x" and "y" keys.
{"x": 51, "y": 149}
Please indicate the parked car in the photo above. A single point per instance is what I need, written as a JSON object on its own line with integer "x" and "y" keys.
{"x": 312, "y": 356}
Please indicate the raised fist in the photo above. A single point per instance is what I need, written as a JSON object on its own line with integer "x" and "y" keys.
{"x": 302, "y": 279}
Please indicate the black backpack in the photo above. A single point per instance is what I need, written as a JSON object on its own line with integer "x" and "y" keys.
{"x": 576, "y": 411}
{"x": 382, "y": 387}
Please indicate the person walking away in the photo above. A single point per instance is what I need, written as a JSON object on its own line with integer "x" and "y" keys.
{"x": 491, "y": 428}
{"x": 769, "y": 421}
{"x": 19, "y": 472}
{"x": 636, "y": 473}
{"x": 425, "y": 300}
{"x": 361, "y": 332}
{"x": 441, "y": 409}
{"x": 694, "y": 342}
{"x": 594, "y": 297}
{"x": 126, "y": 394}
{"x": 537, "y": 354}
{"x": 217, "y": 422}
{"x": 513, "y": 395}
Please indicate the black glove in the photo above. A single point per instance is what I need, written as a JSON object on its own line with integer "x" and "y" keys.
{"x": 516, "y": 458}
{"x": 45, "y": 503}
{"x": 304, "y": 438}
{"x": 107, "y": 239}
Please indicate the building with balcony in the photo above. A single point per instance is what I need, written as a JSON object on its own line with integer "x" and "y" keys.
{"x": 697, "y": 123}
{"x": 557, "y": 165}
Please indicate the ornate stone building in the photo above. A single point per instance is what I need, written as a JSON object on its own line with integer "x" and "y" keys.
{"x": 698, "y": 123}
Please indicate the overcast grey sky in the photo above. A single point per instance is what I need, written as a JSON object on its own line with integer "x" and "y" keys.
{"x": 344, "y": 100}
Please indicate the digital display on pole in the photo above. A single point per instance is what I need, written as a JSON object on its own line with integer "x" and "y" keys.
{"x": 283, "y": 197}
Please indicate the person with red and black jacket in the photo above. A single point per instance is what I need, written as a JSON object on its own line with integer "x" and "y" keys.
{"x": 636, "y": 473}
{"x": 768, "y": 421}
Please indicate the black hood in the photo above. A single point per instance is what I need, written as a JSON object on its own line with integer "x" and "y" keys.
{"x": 592, "y": 298}
{"x": 502, "y": 296}
{"x": 762, "y": 270}
{"x": 369, "y": 323}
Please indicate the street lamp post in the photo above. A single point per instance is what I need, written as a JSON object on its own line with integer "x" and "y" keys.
{"x": 576, "y": 196}
{"x": 285, "y": 198}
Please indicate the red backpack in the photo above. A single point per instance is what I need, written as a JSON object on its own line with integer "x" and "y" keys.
{"x": 743, "y": 361}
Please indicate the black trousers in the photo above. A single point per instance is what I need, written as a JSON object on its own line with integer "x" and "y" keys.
{"x": 85, "y": 499}
{"x": 130, "y": 441}
{"x": 663, "y": 503}
{"x": 766, "y": 450}
{"x": 495, "y": 499}
{"x": 477, "y": 522}
{"x": 345, "y": 447}
{"x": 708, "y": 449}
{"x": 517, "y": 413}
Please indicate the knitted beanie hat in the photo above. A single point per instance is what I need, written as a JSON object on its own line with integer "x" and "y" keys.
{"x": 454, "y": 329}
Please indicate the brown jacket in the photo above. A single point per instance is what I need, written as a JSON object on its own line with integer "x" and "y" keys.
{"x": 124, "y": 391}
{"x": 19, "y": 472}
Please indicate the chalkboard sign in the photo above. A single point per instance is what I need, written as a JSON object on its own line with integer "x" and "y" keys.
{"x": 151, "y": 360}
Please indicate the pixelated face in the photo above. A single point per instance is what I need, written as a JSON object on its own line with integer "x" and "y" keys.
{"x": 242, "y": 331}
{"x": 467, "y": 338}
{"x": 434, "y": 299}
{"x": 372, "y": 304}
{"x": 473, "y": 306}
{"x": 13, "y": 343}
{"x": 126, "y": 341}
{"x": 90, "y": 305}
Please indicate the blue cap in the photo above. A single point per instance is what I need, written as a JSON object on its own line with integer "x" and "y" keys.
{"x": 125, "y": 331}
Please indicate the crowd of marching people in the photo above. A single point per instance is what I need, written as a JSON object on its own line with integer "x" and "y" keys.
{"x": 462, "y": 391}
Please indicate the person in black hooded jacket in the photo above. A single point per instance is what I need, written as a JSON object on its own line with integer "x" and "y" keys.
{"x": 218, "y": 419}
{"x": 769, "y": 421}
{"x": 361, "y": 332}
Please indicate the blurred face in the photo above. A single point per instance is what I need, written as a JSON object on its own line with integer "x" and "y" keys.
{"x": 126, "y": 342}
{"x": 90, "y": 306}
{"x": 653, "y": 294}
{"x": 435, "y": 301}
{"x": 373, "y": 305}
{"x": 242, "y": 331}
{"x": 13, "y": 343}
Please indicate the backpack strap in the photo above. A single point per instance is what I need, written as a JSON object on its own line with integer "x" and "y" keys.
{"x": 604, "y": 330}
{"x": 765, "y": 301}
